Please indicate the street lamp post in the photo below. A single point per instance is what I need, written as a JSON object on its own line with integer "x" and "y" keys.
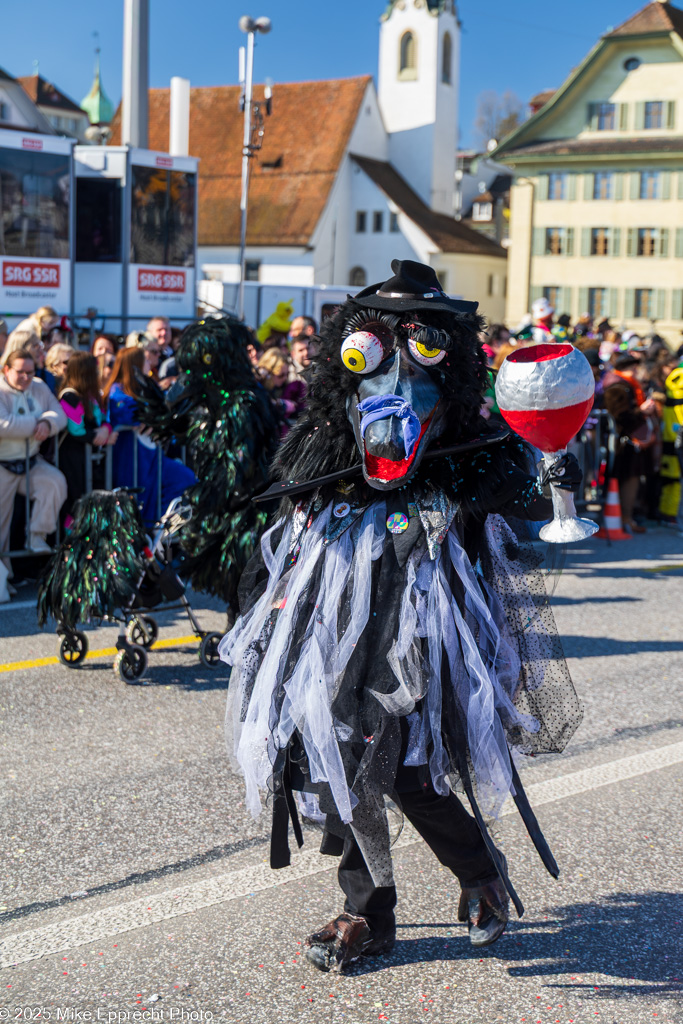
{"x": 251, "y": 26}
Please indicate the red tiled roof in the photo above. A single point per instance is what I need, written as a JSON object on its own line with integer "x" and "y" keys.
{"x": 305, "y": 139}
{"x": 45, "y": 94}
{"x": 449, "y": 234}
{"x": 654, "y": 17}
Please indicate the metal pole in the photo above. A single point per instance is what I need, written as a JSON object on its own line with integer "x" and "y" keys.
{"x": 134, "y": 106}
{"x": 248, "y": 85}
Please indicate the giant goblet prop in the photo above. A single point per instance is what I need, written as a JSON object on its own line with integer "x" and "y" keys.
{"x": 545, "y": 392}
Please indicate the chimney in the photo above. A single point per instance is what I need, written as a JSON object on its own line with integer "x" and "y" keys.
{"x": 179, "y": 135}
{"x": 134, "y": 119}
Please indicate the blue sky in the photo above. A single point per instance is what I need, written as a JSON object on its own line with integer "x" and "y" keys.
{"x": 525, "y": 48}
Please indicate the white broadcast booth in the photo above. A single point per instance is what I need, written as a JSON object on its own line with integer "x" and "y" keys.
{"x": 103, "y": 230}
{"x": 135, "y": 236}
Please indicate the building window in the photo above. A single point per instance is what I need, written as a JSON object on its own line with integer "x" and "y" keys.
{"x": 361, "y": 221}
{"x": 600, "y": 241}
{"x": 357, "y": 277}
{"x": 649, "y": 185}
{"x": 603, "y": 184}
{"x": 647, "y": 242}
{"x": 407, "y": 60}
{"x": 393, "y": 223}
{"x": 644, "y": 303}
{"x": 654, "y": 115}
{"x": 251, "y": 270}
{"x": 482, "y": 211}
{"x": 556, "y": 240}
{"x": 4, "y": 112}
{"x": 606, "y": 114}
{"x": 552, "y": 293}
{"x": 597, "y": 302}
{"x": 447, "y": 59}
{"x": 378, "y": 222}
{"x": 557, "y": 185}
{"x": 631, "y": 63}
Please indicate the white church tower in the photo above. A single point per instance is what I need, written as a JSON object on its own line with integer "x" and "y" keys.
{"x": 419, "y": 67}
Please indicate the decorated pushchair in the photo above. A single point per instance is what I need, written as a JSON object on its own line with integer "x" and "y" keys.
{"x": 108, "y": 570}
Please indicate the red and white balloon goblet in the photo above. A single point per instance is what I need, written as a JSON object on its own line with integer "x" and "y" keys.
{"x": 545, "y": 392}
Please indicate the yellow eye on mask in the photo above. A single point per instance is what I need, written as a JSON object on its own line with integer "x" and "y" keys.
{"x": 425, "y": 356}
{"x": 362, "y": 352}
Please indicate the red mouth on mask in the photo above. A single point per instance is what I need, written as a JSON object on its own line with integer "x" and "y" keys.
{"x": 388, "y": 469}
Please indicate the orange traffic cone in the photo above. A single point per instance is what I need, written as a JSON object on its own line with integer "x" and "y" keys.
{"x": 611, "y": 529}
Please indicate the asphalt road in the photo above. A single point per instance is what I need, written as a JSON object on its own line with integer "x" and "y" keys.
{"x": 134, "y": 880}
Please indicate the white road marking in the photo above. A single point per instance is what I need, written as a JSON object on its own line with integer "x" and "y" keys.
{"x": 187, "y": 899}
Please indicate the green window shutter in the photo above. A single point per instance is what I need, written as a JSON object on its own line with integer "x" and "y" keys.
{"x": 629, "y": 302}
{"x": 664, "y": 242}
{"x": 588, "y": 185}
{"x": 567, "y": 301}
{"x": 635, "y": 184}
{"x": 680, "y": 184}
{"x": 677, "y": 304}
{"x": 665, "y": 179}
{"x": 660, "y": 303}
{"x": 535, "y": 292}
{"x": 543, "y": 186}
{"x": 639, "y": 122}
{"x": 679, "y": 244}
{"x": 612, "y": 308}
{"x": 570, "y": 241}
{"x": 623, "y": 121}
{"x": 618, "y": 184}
{"x": 583, "y": 300}
{"x": 571, "y": 186}
{"x": 538, "y": 243}
{"x": 631, "y": 242}
{"x": 585, "y": 241}
{"x": 671, "y": 115}
{"x": 592, "y": 118}
{"x": 615, "y": 243}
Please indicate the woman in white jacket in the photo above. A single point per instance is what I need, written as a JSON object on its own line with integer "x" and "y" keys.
{"x": 28, "y": 413}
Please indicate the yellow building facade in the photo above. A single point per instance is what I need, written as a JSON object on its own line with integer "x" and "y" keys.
{"x": 597, "y": 200}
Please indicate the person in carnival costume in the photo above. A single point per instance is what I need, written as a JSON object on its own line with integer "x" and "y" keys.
{"x": 394, "y": 638}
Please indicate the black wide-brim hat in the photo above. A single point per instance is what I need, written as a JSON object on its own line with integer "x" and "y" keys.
{"x": 413, "y": 286}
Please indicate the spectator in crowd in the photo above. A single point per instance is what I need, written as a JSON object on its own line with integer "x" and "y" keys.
{"x": 4, "y": 333}
{"x": 633, "y": 415}
{"x": 273, "y": 371}
{"x": 104, "y": 349}
{"x": 136, "y": 445}
{"x": 302, "y": 326}
{"x": 81, "y": 399}
{"x": 150, "y": 346}
{"x": 300, "y": 359}
{"x": 159, "y": 328}
{"x": 168, "y": 371}
{"x": 28, "y": 413}
{"x": 30, "y": 342}
{"x": 584, "y": 326}
{"x": 41, "y": 322}
{"x": 492, "y": 341}
{"x": 562, "y": 331}
{"x": 542, "y": 321}
{"x": 671, "y": 372}
{"x": 56, "y": 360}
{"x": 254, "y": 349}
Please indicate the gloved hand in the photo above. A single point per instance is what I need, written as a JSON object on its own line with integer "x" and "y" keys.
{"x": 565, "y": 473}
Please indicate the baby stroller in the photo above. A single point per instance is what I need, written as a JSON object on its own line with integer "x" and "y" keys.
{"x": 152, "y": 583}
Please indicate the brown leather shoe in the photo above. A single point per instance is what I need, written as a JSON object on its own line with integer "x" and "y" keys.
{"x": 344, "y": 940}
{"x": 485, "y": 908}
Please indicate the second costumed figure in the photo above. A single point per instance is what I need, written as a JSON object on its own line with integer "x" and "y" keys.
{"x": 395, "y": 639}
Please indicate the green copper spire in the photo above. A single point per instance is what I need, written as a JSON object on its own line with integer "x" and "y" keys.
{"x": 97, "y": 104}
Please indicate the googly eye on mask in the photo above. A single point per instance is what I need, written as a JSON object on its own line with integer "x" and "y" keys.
{"x": 424, "y": 355}
{"x": 362, "y": 352}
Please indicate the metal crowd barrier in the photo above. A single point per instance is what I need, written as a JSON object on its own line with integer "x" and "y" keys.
{"x": 92, "y": 455}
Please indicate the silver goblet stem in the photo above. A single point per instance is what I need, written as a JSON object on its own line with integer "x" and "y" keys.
{"x": 565, "y": 527}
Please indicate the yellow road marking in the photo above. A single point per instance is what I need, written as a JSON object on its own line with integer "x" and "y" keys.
{"x": 665, "y": 568}
{"x": 104, "y": 652}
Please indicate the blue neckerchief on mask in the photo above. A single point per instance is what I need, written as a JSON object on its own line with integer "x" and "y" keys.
{"x": 379, "y": 407}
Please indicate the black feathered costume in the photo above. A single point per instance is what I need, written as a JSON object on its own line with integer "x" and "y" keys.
{"x": 395, "y": 640}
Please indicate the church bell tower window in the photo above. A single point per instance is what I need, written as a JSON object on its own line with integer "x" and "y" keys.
{"x": 447, "y": 60}
{"x": 407, "y": 60}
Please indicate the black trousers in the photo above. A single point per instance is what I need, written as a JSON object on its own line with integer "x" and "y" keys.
{"x": 451, "y": 834}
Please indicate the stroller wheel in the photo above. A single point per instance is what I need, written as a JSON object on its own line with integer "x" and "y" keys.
{"x": 143, "y": 631}
{"x": 73, "y": 649}
{"x": 208, "y": 650}
{"x": 131, "y": 664}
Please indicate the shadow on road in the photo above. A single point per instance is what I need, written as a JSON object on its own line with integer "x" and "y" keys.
{"x": 577, "y": 646}
{"x": 630, "y": 937}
